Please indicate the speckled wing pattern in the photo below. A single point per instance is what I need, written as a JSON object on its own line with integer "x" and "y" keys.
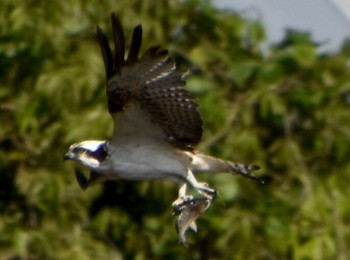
{"x": 150, "y": 87}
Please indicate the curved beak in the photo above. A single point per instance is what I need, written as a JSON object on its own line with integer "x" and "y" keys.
{"x": 68, "y": 156}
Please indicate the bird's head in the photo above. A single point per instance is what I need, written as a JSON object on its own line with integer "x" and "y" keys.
{"x": 88, "y": 153}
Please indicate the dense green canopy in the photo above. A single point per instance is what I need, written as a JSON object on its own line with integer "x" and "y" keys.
{"x": 285, "y": 109}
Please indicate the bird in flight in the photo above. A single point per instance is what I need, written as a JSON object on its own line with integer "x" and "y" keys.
{"x": 156, "y": 128}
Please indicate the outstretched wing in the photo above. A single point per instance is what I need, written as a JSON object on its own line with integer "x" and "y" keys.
{"x": 146, "y": 95}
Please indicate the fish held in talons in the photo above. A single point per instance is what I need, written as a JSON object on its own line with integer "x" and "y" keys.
{"x": 186, "y": 214}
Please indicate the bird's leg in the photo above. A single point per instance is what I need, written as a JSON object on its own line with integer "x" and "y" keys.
{"x": 246, "y": 171}
{"x": 182, "y": 190}
{"x": 210, "y": 164}
{"x": 202, "y": 188}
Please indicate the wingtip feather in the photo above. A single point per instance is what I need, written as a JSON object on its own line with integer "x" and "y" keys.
{"x": 135, "y": 44}
{"x": 105, "y": 50}
{"x": 119, "y": 41}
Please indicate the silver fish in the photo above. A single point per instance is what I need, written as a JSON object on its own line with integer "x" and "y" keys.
{"x": 186, "y": 214}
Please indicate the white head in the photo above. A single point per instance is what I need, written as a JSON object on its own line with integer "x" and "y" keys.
{"x": 88, "y": 153}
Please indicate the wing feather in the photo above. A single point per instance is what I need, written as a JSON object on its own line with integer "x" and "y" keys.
{"x": 146, "y": 96}
{"x": 106, "y": 51}
{"x": 119, "y": 42}
{"x": 135, "y": 44}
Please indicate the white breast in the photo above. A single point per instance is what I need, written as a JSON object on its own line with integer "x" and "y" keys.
{"x": 146, "y": 159}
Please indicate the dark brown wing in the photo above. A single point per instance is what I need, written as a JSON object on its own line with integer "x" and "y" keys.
{"x": 146, "y": 96}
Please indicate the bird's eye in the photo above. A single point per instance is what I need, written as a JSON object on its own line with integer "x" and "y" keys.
{"x": 78, "y": 150}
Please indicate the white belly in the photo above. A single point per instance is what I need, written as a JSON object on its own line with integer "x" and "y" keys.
{"x": 147, "y": 160}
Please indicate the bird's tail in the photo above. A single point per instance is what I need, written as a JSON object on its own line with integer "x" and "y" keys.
{"x": 209, "y": 164}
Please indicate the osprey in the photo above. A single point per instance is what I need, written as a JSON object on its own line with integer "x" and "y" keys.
{"x": 157, "y": 126}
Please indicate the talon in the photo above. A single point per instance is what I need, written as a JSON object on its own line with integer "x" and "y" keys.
{"x": 179, "y": 204}
{"x": 246, "y": 171}
{"x": 265, "y": 179}
{"x": 253, "y": 167}
{"x": 210, "y": 193}
{"x": 214, "y": 194}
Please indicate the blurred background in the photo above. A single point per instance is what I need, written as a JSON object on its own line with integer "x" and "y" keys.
{"x": 282, "y": 104}
{"x": 327, "y": 20}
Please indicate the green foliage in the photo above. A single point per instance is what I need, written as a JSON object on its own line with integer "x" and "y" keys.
{"x": 287, "y": 111}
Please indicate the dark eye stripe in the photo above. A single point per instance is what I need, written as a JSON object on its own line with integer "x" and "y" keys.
{"x": 77, "y": 150}
{"x": 100, "y": 154}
